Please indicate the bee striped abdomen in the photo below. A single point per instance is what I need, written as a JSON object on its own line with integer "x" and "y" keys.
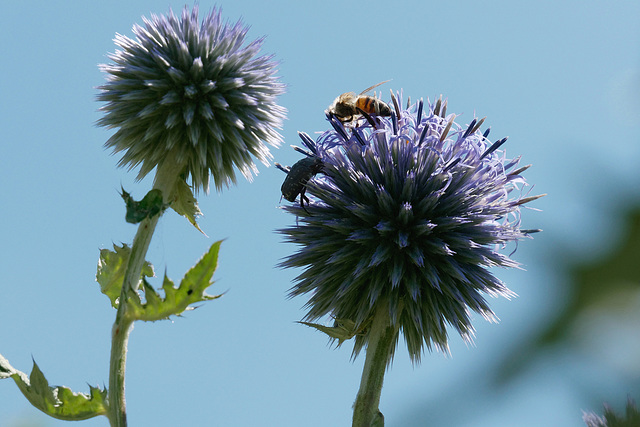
{"x": 373, "y": 105}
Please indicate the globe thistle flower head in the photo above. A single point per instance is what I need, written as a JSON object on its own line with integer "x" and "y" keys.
{"x": 409, "y": 211}
{"x": 193, "y": 94}
{"x": 610, "y": 418}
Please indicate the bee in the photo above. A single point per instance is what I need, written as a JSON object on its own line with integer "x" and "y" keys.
{"x": 301, "y": 172}
{"x": 348, "y": 105}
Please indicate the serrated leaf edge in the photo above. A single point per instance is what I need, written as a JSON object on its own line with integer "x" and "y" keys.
{"x": 58, "y": 402}
{"x": 159, "y": 308}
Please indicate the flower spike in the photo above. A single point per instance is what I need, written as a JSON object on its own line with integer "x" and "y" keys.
{"x": 419, "y": 115}
{"x": 494, "y": 147}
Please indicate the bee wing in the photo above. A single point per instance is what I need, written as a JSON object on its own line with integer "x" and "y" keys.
{"x": 373, "y": 87}
{"x": 346, "y": 97}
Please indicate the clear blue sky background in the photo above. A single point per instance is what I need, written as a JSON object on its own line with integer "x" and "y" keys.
{"x": 560, "y": 78}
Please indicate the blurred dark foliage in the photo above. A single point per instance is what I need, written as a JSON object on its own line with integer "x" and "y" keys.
{"x": 592, "y": 284}
{"x": 588, "y": 285}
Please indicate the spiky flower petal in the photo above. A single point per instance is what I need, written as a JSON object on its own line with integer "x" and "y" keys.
{"x": 194, "y": 95}
{"x": 412, "y": 209}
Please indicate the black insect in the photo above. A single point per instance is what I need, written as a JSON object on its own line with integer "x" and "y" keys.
{"x": 296, "y": 181}
{"x": 301, "y": 172}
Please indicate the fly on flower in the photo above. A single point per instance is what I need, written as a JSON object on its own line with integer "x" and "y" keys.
{"x": 409, "y": 215}
{"x": 349, "y": 105}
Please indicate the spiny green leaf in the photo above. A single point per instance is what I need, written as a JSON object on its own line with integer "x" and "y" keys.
{"x": 177, "y": 300}
{"x": 342, "y": 329}
{"x": 111, "y": 268}
{"x": 150, "y": 205}
{"x": 185, "y": 204}
{"x": 58, "y": 402}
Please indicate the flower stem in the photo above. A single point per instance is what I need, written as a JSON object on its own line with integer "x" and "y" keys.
{"x": 382, "y": 338}
{"x": 166, "y": 178}
{"x": 119, "y": 337}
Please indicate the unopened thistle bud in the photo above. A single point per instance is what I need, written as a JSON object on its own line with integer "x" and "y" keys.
{"x": 192, "y": 94}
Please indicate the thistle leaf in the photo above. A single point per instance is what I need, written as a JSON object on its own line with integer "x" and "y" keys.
{"x": 111, "y": 268}
{"x": 177, "y": 300}
{"x": 342, "y": 329}
{"x": 150, "y": 205}
{"x": 185, "y": 204}
{"x": 58, "y": 402}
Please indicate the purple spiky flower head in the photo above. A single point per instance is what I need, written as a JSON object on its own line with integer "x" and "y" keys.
{"x": 410, "y": 211}
{"x": 193, "y": 94}
{"x": 610, "y": 418}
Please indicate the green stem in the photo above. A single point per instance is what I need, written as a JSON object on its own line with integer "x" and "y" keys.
{"x": 122, "y": 327}
{"x": 382, "y": 338}
{"x": 165, "y": 180}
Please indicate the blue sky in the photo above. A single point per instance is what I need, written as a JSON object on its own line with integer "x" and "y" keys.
{"x": 560, "y": 78}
